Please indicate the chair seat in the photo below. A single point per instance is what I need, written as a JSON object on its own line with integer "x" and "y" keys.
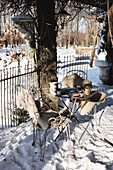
{"x": 91, "y": 100}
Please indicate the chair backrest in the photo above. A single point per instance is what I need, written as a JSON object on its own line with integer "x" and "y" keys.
{"x": 26, "y": 101}
{"x": 97, "y": 98}
{"x": 74, "y": 79}
{"x": 71, "y": 62}
{"x": 81, "y": 73}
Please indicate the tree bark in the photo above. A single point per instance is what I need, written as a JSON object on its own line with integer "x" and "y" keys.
{"x": 110, "y": 58}
{"x": 93, "y": 52}
{"x": 110, "y": 20}
{"x": 0, "y": 23}
{"x": 47, "y": 56}
{"x": 109, "y": 48}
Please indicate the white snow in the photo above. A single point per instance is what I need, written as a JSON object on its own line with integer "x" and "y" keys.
{"x": 17, "y": 152}
{"x": 10, "y": 51}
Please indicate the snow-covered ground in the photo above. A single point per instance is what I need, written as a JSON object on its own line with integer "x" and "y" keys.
{"x": 6, "y": 53}
{"x": 17, "y": 152}
{"x": 9, "y": 68}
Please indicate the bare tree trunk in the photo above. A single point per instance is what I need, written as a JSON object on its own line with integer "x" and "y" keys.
{"x": 87, "y": 32}
{"x": 48, "y": 56}
{"x": 66, "y": 33}
{"x": 96, "y": 30}
{"x": 0, "y": 23}
{"x": 93, "y": 51}
{"x": 77, "y": 29}
{"x": 110, "y": 57}
{"x": 110, "y": 41}
{"x": 110, "y": 21}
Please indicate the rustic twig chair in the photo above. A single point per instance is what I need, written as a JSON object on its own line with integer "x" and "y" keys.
{"x": 81, "y": 73}
{"x": 86, "y": 88}
{"x": 42, "y": 120}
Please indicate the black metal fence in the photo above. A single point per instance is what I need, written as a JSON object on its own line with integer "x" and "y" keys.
{"x": 68, "y": 63}
{"x": 11, "y": 80}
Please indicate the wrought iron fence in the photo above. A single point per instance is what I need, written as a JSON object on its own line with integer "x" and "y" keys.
{"x": 11, "y": 80}
{"x": 68, "y": 63}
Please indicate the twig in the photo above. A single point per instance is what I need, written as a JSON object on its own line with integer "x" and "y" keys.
{"x": 101, "y": 116}
{"x": 107, "y": 141}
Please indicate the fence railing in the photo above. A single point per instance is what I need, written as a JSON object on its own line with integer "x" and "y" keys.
{"x": 68, "y": 63}
{"x": 11, "y": 80}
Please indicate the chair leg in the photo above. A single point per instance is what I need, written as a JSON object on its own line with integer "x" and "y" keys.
{"x": 42, "y": 151}
{"x": 60, "y": 131}
{"x": 83, "y": 133}
{"x": 68, "y": 139}
{"x": 95, "y": 115}
{"x": 78, "y": 115}
{"x": 40, "y": 143}
{"x": 44, "y": 144}
{"x": 34, "y": 136}
{"x": 73, "y": 107}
